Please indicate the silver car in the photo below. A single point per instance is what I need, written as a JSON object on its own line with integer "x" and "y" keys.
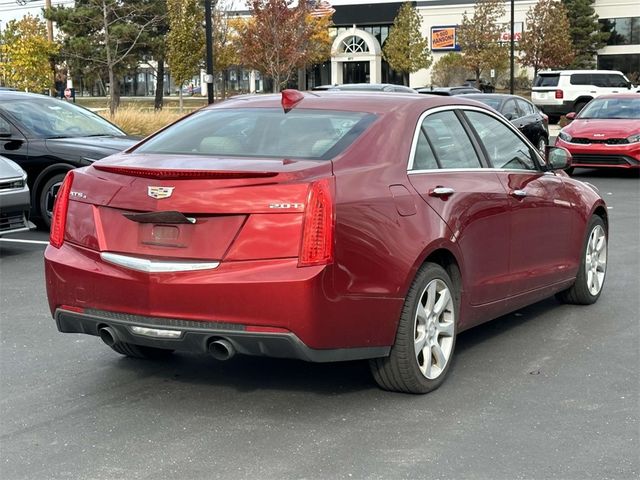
{"x": 14, "y": 198}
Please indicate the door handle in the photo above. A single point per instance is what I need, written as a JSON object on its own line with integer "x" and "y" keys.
{"x": 518, "y": 193}
{"x": 441, "y": 192}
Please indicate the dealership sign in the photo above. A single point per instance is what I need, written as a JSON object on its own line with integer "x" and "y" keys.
{"x": 444, "y": 38}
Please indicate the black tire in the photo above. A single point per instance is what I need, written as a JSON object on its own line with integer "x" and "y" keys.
{"x": 579, "y": 106}
{"x": 46, "y": 197}
{"x": 139, "y": 351}
{"x": 592, "y": 270}
{"x": 401, "y": 370}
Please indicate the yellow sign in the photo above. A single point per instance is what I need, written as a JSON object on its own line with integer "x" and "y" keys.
{"x": 443, "y": 38}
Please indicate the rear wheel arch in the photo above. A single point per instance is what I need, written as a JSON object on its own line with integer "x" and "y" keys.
{"x": 601, "y": 211}
{"x": 447, "y": 260}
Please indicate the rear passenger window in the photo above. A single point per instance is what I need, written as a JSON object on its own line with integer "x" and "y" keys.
{"x": 525, "y": 107}
{"x": 504, "y": 148}
{"x": 548, "y": 80}
{"x": 581, "y": 79}
{"x": 510, "y": 110}
{"x": 452, "y": 147}
{"x": 424, "y": 158}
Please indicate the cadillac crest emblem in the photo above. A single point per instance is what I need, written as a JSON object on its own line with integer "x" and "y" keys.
{"x": 159, "y": 192}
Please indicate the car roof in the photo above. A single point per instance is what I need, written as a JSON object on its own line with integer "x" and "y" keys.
{"x": 570, "y": 72}
{"x": 631, "y": 95}
{"x": 494, "y": 95}
{"x": 357, "y": 101}
{"x": 17, "y": 94}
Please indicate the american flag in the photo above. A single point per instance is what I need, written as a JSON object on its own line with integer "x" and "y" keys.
{"x": 321, "y": 8}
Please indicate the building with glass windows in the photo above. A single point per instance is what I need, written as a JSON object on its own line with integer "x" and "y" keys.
{"x": 362, "y": 28}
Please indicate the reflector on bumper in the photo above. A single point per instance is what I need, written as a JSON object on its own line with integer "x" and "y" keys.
{"x": 156, "y": 332}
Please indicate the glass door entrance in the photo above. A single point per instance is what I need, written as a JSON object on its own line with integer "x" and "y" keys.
{"x": 355, "y": 72}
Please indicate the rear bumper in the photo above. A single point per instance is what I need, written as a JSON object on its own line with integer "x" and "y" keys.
{"x": 240, "y": 299}
{"x": 196, "y": 336}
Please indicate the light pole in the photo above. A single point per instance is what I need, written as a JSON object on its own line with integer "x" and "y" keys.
{"x": 209, "y": 46}
{"x": 511, "y": 80}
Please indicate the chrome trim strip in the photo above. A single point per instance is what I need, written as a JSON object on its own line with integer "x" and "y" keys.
{"x": 155, "y": 266}
{"x": 479, "y": 169}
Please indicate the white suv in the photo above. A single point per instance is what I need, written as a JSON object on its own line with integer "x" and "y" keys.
{"x": 562, "y": 91}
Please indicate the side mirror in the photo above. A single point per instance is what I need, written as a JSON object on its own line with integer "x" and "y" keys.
{"x": 557, "y": 158}
{"x": 570, "y": 116}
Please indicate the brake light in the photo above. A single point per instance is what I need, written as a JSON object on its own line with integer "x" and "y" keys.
{"x": 60, "y": 207}
{"x": 290, "y": 98}
{"x": 559, "y": 94}
{"x": 317, "y": 233}
{"x": 167, "y": 174}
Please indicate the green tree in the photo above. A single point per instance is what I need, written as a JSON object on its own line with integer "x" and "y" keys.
{"x": 276, "y": 39}
{"x": 100, "y": 36}
{"x": 185, "y": 41}
{"x": 546, "y": 43}
{"x": 225, "y": 42}
{"x": 27, "y": 54}
{"x": 449, "y": 70}
{"x": 586, "y": 36}
{"x": 479, "y": 37}
{"x": 406, "y": 50}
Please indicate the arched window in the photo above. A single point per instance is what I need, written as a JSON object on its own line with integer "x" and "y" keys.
{"x": 354, "y": 44}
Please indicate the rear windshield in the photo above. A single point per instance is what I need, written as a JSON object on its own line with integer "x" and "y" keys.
{"x": 261, "y": 132}
{"x": 622, "y": 108}
{"x": 547, "y": 80}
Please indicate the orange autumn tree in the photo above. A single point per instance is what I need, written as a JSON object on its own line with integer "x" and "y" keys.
{"x": 280, "y": 38}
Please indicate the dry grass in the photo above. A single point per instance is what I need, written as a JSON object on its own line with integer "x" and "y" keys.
{"x": 141, "y": 122}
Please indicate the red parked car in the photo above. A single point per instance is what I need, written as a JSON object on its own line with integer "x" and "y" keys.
{"x": 605, "y": 134}
{"x": 324, "y": 227}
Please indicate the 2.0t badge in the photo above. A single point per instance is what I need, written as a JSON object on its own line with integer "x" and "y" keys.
{"x": 159, "y": 192}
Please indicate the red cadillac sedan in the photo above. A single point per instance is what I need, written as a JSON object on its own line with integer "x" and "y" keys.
{"x": 605, "y": 134}
{"x": 322, "y": 226}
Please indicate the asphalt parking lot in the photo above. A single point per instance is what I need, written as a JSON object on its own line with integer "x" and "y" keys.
{"x": 548, "y": 392}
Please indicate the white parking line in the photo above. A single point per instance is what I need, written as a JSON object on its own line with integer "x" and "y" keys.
{"x": 19, "y": 240}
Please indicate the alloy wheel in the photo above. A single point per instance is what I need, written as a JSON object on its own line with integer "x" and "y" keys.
{"x": 434, "y": 329}
{"x": 596, "y": 260}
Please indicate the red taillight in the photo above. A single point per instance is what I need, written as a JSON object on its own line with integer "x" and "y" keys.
{"x": 317, "y": 233}
{"x": 559, "y": 94}
{"x": 59, "y": 217}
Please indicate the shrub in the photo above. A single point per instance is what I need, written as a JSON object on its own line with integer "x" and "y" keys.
{"x": 450, "y": 71}
{"x": 141, "y": 122}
